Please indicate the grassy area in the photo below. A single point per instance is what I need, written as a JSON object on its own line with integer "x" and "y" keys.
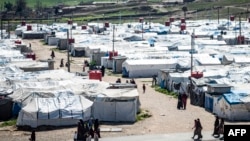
{"x": 142, "y": 114}
{"x": 46, "y": 3}
{"x": 11, "y": 122}
{"x": 164, "y": 91}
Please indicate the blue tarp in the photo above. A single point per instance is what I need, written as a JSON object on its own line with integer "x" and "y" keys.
{"x": 234, "y": 97}
{"x": 151, "y": 41}
{"x": 162, "y": 32}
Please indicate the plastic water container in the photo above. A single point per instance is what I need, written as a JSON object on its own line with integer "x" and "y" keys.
{"x": 95, "y": 74}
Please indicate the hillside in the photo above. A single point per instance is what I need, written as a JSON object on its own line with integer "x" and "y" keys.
{"x": 155, "y": 10}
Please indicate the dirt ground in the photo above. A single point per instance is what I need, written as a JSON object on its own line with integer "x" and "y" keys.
{"x": 166, "y": 118}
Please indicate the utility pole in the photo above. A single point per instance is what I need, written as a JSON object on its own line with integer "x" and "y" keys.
{"x": 68, "y": 50}
{"x": 1, "y": 27}
{"x": 192, "y": 50}
{"x": 141, "y": 20}
{"x": 240, "y": 23}
{"x": 218, "y": 15}
{"x": 191, "y": 70}
{"x": 228, "y": 18}
{"x": 9, "y": 28}
{"x": 103, "y": 23}
{"x": 113, "y": 50}
{"x": 120, "y": 17}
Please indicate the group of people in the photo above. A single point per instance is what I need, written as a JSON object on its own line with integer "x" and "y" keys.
{"x": 85, "y": 130}
{"x": 132, "y": 81}
{"x": 197, "y": 129}
{"x": 218, "y": 127}
{"x": 182, "y": 101}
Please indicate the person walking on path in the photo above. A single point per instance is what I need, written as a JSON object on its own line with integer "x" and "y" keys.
{"x": 33, "y": 136}
{"x": 195, "y": 128}
{"x": 216, "y": 126}
{"x": 96, "y": 128}
{"x": 179, "y": 102}
{"x": 221, "y": 128}
{"x": 61, "y": 64}
{"x": 199, "y": 128}
{"x": 52, "y": 54}
{"x": 143, "y": 88}
{"x": 184, "y": 101}
{"x": 30, "y": 45}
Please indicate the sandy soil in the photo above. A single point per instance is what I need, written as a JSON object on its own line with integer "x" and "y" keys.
{"x": 166, "y": 118}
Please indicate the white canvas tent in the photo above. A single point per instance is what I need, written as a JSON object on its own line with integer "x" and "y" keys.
{"x": 59, "y": 111}
{"x": 146, "y": 67}
{"x": 116, "y": 105}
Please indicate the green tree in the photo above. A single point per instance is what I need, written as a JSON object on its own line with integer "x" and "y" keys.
{"x": 38, "y": 5}
{"x": 8, "y": 6}
{"x": 184, "y": 9}
{"x": 20, "y": 5}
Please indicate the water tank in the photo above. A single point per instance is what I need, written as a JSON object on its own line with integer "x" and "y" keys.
{"x": 106, "y": 24}
{"x": 140, "y": 20}
{"x": 167, "y": 23}
{"x": 84, "y": 27}
{"x": 241, "y": 39}
{"x": 33, "y": 56}
{"x": 95, "y": 74}
{"x": 29, "y": 27}
{"x": 71, "y": 40}
{"x": 171, "y": 19}
{"x": 183, "y": 20}
{"x": 23, "y": 23}
{"x": 197, "y": 74}
{"x": 111, "y": 54}
{"x": 183, "y": 26}
{"x": 70, "y": 21}
{"x": 231, "y": 18}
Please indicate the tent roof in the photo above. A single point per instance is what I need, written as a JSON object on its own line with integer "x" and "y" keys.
{"x": 151, "y": 61}
{"x": 235, "y": 97}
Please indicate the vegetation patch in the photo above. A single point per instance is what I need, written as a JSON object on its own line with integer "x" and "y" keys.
{"x": 165, "y": 91}
{"x": 142, "y": 114}
{"x": 11, "y": 122}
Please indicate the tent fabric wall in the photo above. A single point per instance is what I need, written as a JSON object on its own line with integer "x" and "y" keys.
{"x": 231, "y": 110}
{"x": 60, "y": 111}
{"x": 197, "y": 98}
{"x": 147, "y": 67}
{"x": 115, "y": 111}
{"x": 216, "y": 109}
{"x": 209, "y": 102}
{"x": 117, "y": 64}
{"x": 6, "y": 108}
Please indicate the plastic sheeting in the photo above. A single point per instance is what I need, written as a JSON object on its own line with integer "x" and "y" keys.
{"x": 115, "y": 111}
{"x": 60, "y": 111}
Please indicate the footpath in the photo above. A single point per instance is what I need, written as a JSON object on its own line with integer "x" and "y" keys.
{"x": 207, "y": 136}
